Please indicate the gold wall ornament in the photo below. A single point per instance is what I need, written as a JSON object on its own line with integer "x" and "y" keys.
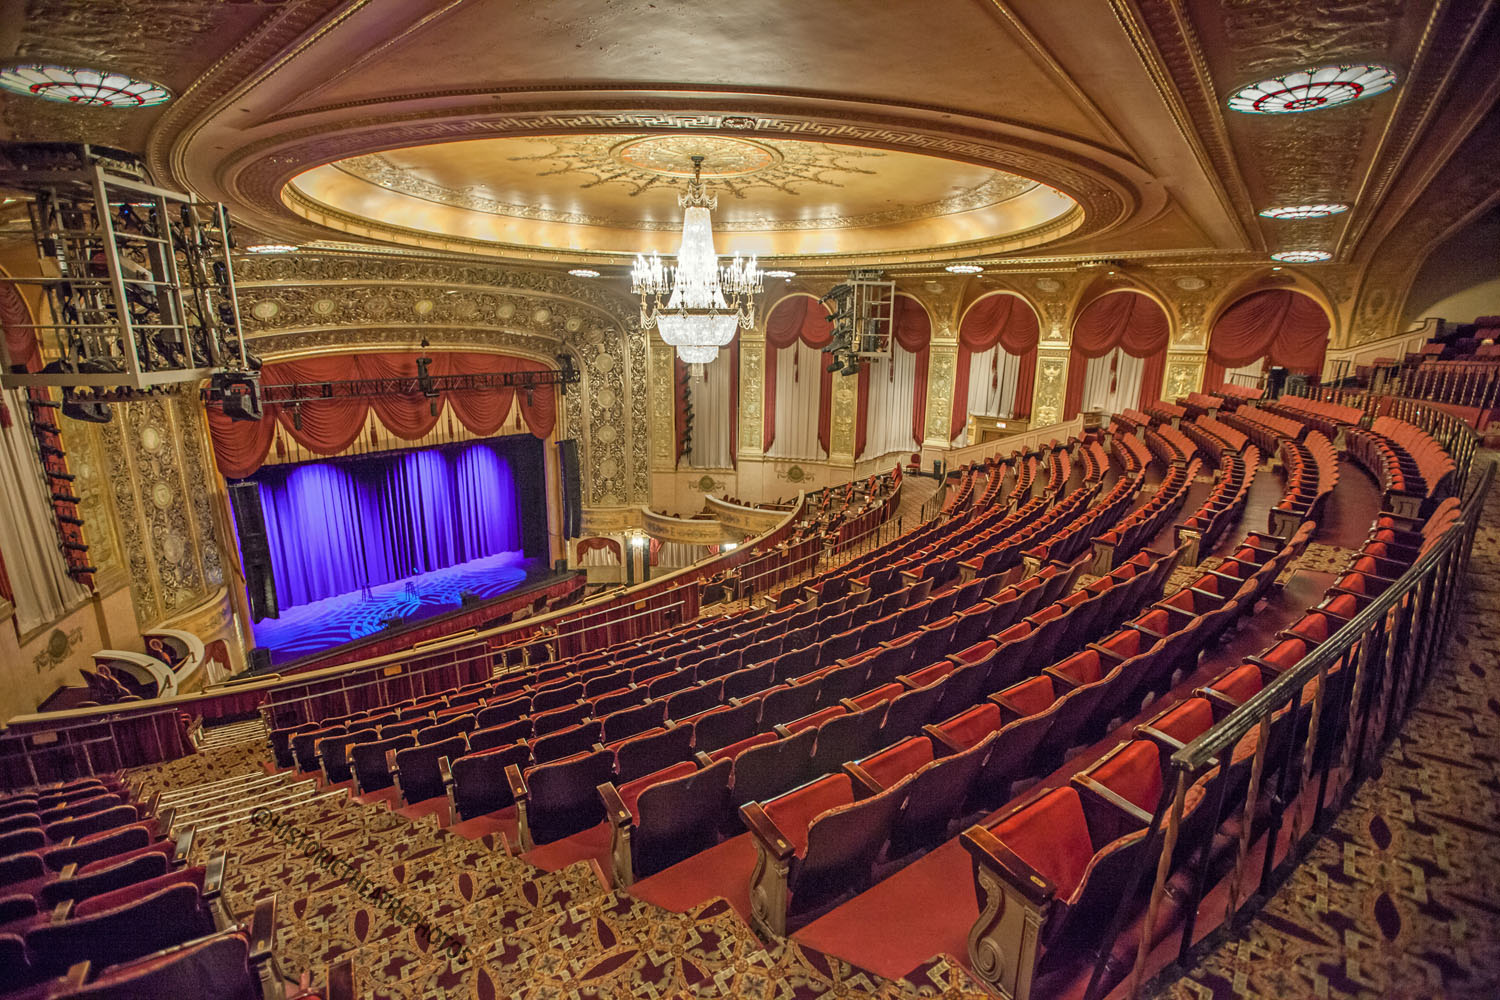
{"x": 1049, "y": 397}
{"x": 752, "y": 396}
{"x": 663, "y": 404}
{"x": 942, "y": 367}
{"x": 1184, "y": 374}
{"x": 845, "y": 410}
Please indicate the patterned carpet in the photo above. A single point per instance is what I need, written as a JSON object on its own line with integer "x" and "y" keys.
{"x": 1402, "y": 898}
{"x": 424, "y": 913}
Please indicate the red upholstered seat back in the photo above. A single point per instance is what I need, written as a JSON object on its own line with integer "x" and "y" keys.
{"x": 1052, "y": 836}
{"x": 969, "y": 727}
{"x": 1240, "y": 684}
{"x": 1187, "y": 721}
{"x": 1081, "y": 668}
{"x": 1031, "y": 696}
{"x": 794, "y": 812}
{"x": 896, "y": 762}
{"x": 630, "y": 792}
{"x": 138, "y": 891}
{"x": 1133, "y": 773}
{"x": 215, "y": 968}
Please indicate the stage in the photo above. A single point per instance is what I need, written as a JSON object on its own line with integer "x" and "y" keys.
{"x": 313, "y": 628}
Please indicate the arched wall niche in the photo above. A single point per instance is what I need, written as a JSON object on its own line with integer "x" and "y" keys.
{"x": 1019, "y": 364}
{"x": 1139, "y": 328}
{"x": 1279, "y": 324}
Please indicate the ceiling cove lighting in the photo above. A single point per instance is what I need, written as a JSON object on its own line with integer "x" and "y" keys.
{"x": 77, "y": 85}
{"x": 963, "y": 269}
{"x": 1302, "y": 256}
{"x": 1312, "y": 89}
{"x": 270, "y": 248}
{"x": 696, "y": 304}
{"x": 1314, "y": 211}
{"x": 584, "y": 272}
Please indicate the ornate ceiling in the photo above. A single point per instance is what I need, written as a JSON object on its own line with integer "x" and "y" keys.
{"x": 603, "y": 194}
{"x": 1018, "y": 134}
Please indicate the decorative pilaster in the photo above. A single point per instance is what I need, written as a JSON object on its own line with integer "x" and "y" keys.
{"x": 663, "y": 434}
{"x": 752, "y": 393}
{"x": 942, "y": 368}
{"x": 1051, "y": 386}
{"x": 845, "y": 409}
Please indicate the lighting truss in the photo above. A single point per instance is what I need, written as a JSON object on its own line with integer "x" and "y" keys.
{"x": 139, "y": 288}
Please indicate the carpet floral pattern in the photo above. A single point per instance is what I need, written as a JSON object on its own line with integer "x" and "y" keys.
{"x": 1401, "y": 899}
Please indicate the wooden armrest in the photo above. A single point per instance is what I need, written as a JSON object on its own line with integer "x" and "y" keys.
{"x": 1211, "y": 596}
{"x": 76, "y": 976}
{"x": 341, "y": 981}
{"x": 781, "y": 730}
{"x": 942, "y": 740}
{"x": 1030, "y": 883}
{"x": 516, "y": 781}
{"x": 765, "y": 830}
{"x": 150, "y": 806}
{"x": 1088, "y": 787}
{"x": 391, "y": 766}
{"x": 1221, "y": 702}
{"x": 1143, "y": 630}
{"x": 1009, "y": 711}
{"x": 1362, "y": 599}
{"x": 703, "y": 759}
{"x": 614, "y": 806}
{"x": 1106, "y": 652}
{"x": 164, "y": 820}
{"x": 184, "y": 846}
{"x": 1149, "y": 732}
{"x": 213, "y": 875}
{"x": 262, "y": 929}
{"x": 445, "y": 772}
{"x": 864, "y": 783}
{"x": 850, "y": 704}
{"x": 62, "y": 911}
{"x": 69, "y": 870}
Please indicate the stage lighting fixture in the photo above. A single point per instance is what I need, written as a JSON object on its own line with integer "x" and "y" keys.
{"x": 425, "y": 381}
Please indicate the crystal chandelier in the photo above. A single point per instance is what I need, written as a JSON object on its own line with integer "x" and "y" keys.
{"x": 704, "y": 303}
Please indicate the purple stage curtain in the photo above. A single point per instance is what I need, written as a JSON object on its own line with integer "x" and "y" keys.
{"x": 336, "y": 527}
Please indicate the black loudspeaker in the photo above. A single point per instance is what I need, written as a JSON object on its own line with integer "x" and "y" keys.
{"x": 567, "y": 452}
{"x": 255, "y": 550}
{"x": 260, "y": 659}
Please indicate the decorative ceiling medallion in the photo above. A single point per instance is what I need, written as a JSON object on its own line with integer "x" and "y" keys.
{"x": 963, "y": 269}
{"x": 1312, "y": 211}
{"x": 78, "y": 85}
{"x": 672, "y": 155}
{"x": 1314, "y": 88}
{"x": 1302, "y": 256}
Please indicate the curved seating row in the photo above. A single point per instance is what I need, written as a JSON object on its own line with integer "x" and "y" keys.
{"x": 1221, "y": 508}
{"x": 1146, "y": 521}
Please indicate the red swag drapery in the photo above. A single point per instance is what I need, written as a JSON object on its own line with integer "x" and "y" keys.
{"x": 328, "y": 426}
{"x": 1127, "y": 320}
{"x": 912, "y": 330}
{"x": 797, "y": 317}
{"x": 20, "y": 340}
{"x": 995, "y": 319}
{"x": 680, "y": 402}
{"x": 1284, "y": 326}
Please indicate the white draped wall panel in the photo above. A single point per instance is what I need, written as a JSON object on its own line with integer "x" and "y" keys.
{"x": 1254, "y": 370}
{"x": 28, "y": 535}
{"x": 709, "y": 397}
{"x": 1126, "y": 378}
{"x": 893, "y": 387}
{"x": 992, "y": 386}
{"x": 797, "y": 388}
{"x": 678, "y": 554}
{"x": 601, "y": 557}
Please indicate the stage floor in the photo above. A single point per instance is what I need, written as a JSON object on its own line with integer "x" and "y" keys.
{"x": 321, "y": 625}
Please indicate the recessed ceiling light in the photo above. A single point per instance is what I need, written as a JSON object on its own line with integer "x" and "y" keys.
{"x": 1317, "y": 210}
{"x": 77, "y": 85}
{"x": 1312, "y": 89}
{"x": 779, "y": 274}
{"x": 963, "y": 269}
{"x": 1302, "y": 256}
{"x": 270, "y": 248}
{"x": 584, "y": 272}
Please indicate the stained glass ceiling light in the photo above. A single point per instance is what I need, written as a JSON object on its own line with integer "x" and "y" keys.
{"x": 1314, "y": 211}
{"x": 270, "y": 248}
{"x": 1312, "y": 89}
{"x": 584, "y": 272}
{"x": 1301, "y": 256}
{"x": 963, "y": 269}
{"x": 77, "y": 85}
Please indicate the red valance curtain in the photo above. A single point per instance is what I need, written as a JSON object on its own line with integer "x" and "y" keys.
{"x": 1284, "y": 326}
{"x": 1130, "y": 321}
{"x": 328, "y": 426}
{"x": 1000, "y": 319}
{"x": 797, "y": 317}
{"x": 912, "y": 331}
